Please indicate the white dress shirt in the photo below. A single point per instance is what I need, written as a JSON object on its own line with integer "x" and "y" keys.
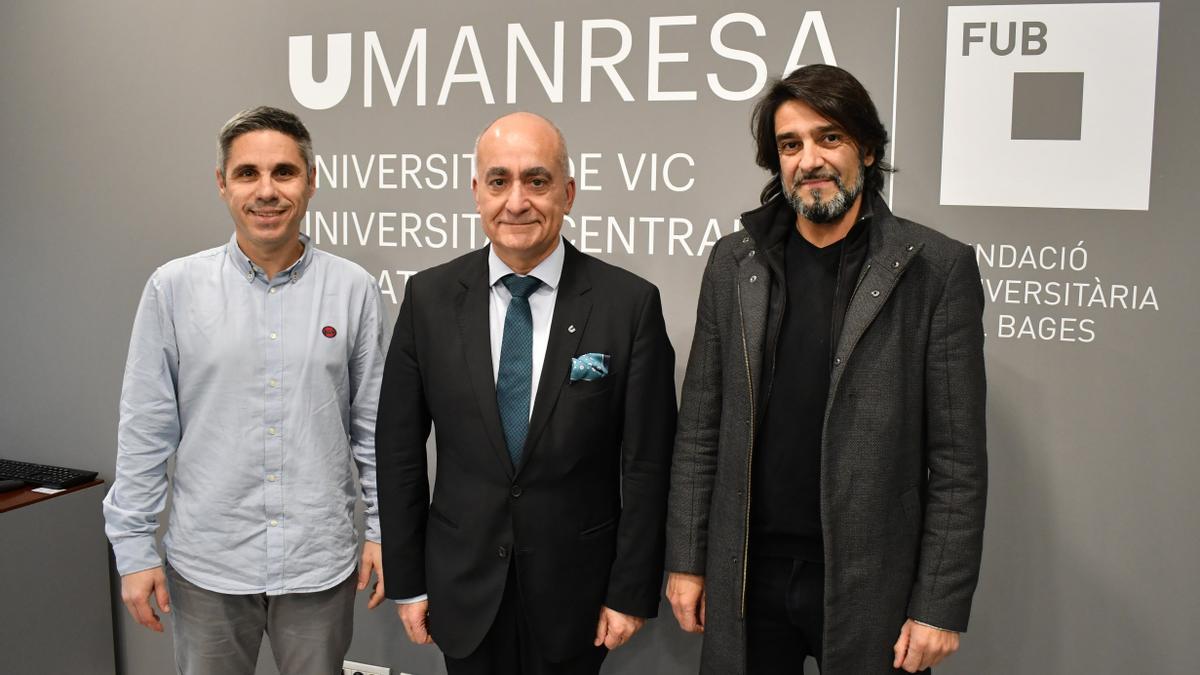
{"x": 541, "y": 307}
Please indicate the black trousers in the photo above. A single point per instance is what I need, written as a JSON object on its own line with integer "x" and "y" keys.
{"x": 785, "y": 603}
{"x": 785, "y": 599}
{"x": 509, "y": 648}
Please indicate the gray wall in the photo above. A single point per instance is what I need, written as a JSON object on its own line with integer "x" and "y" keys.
{"x": 109, "y": 111}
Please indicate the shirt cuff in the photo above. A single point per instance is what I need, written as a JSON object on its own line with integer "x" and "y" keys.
{"x": 373, "y": 533}
{"x": 929, "y": 625}
{"x": 413, "y": 600}
{"x": 136, "y": 554}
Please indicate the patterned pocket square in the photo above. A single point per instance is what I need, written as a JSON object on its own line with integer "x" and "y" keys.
{"x": 589, "y": 367}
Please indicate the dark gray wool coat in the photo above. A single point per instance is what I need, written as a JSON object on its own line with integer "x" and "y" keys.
{"x": 903, "y": 454}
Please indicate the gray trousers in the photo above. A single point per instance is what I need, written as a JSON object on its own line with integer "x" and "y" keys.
{"x": 219, "y": 634}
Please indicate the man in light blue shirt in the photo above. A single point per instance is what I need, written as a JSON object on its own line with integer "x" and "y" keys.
{"x": 255, "y": 365}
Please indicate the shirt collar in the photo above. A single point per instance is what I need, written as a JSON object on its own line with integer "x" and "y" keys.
{"x": 249, "y": 271}
{"x": 549, "y": 271}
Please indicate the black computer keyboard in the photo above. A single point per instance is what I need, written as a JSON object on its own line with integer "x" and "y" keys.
{"x": 55, "y": 477}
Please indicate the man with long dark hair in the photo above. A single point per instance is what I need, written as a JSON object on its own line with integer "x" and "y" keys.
{"x": 830, "y": 470}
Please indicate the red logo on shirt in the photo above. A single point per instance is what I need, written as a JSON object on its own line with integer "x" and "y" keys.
{"x": 329, "y": 332}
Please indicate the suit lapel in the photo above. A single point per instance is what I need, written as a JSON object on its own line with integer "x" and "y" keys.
{"x": 571, "y": 310}
{"x": 473, "y": 325}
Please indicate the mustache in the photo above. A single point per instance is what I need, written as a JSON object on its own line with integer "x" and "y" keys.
{"x": 817, "y": 175}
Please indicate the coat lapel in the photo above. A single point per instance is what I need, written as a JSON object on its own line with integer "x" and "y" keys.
{"x": 754, "y": 297}
{"x": 473, "y": 325}
{"x": 571, "y": 310}
{"x": 887, "y": 259}
{"x": 760, "y": 260}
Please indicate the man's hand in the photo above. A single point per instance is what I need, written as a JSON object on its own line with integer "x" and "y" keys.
{"x": 686, "y": 593}
{"x": 136, "y": 589}
{"x": 921, "y": 647}
{"x": 414, "y": 616}
{"x": 372, "y": 559}
{"x": 614, "y": 628}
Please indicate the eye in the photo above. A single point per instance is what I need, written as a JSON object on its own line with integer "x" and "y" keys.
{"x": 496, "y": 182}
{"x": 832, "y": 138}
{"x": 539, "y": 182}
{"x": 788, "y": 147}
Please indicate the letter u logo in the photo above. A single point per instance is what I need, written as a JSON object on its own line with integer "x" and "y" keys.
{"x": 330, "y": 91}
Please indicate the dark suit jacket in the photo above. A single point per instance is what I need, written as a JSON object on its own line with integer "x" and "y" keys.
{"x": 583, "y": 516}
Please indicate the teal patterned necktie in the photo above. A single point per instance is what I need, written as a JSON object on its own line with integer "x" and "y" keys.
{"x": 515, "y": 381}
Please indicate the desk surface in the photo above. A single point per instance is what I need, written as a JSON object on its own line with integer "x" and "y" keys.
{"x": 15, "y": 499}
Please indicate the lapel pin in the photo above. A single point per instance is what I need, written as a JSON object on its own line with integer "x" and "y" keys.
{"x": 571, "y": 328}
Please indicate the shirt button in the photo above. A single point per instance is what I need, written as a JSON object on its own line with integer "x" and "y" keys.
{"x": 515, "y": 491}
{"x": 273, "y": 382}
{"x": 753, "y": 278}
{"x": 874, "y": 294}
{"x": 272, "y": 290}
{"x": 271, "y": 430}
{"x": 274, "y": 335}
{"x": 837, "y": 361}
{"x": 274, "y": 523}
{"x": 502, "y": 551}
{"x": 250, "y": 275}
{"x": 271, "y": 478}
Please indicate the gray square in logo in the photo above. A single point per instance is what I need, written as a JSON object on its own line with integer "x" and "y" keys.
{"x": 1047, "y": 106}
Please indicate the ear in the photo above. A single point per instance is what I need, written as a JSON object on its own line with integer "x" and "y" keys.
{"x": 312, "y": 182}
{"x": 570, "y": 193}
{"x": 475, "y": 192}
{"x": 868, "y": 158}
{"x": 220, "y": 181}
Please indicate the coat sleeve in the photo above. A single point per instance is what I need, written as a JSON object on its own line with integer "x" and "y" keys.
{"x": 401, "y": 429}
{"x": 694, "y": 463}
{"x": 649, "y": 423}
{"x": 956, "y": 453}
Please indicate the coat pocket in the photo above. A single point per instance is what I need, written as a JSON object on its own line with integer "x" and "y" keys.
{"x": 598, "y": 528}
{"x": 439, "y": 517}
{"x": 910, "y": 501}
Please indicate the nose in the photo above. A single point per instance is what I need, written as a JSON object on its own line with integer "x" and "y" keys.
{"x": 811, "y": 158}
{"x": 264, "y": 190}
{"x": 517, "y": 201}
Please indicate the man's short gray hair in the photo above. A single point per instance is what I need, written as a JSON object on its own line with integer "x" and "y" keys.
{"x": 264, "y": 118}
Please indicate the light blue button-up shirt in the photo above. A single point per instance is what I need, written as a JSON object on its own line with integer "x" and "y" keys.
{"x": 264, "y": 391}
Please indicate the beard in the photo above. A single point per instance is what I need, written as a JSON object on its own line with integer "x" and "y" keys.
{"x": 827, "y": 211}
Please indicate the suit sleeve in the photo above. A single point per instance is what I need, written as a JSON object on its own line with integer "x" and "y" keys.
{"x": 401, "y": 429}
{"x": 956, "y": 454}
{"x": 649, "y": 424}
{"x": 694, "y": 465}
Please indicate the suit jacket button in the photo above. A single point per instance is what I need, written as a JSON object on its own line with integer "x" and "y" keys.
{"x": 502, "y": 551}
{"x": 515, "y": 491}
